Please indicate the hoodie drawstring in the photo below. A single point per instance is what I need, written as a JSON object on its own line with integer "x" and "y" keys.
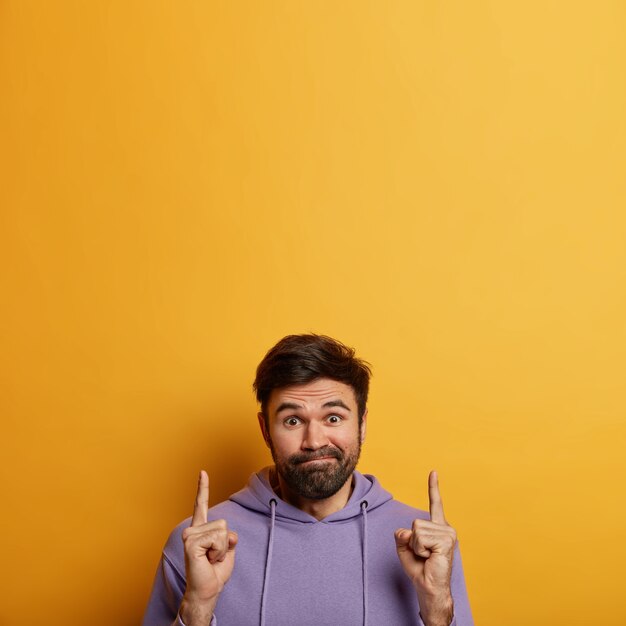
{"x": 268, "y": 560}
{"x": 364, "y": 505}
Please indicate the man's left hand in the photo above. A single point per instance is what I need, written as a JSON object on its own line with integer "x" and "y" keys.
{"x": 425, "y": 553}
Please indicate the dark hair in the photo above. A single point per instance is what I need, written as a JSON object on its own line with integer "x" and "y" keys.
{"x": 301, "y": 359}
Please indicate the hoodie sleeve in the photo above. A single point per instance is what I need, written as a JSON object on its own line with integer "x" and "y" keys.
{"x": 421, "y": 623}
{"x": 166, "y": 596}
{"x": 462, "y": 611}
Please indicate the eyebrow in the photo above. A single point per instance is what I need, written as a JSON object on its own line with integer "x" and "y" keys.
{"x": 327, "y": 405}
{"x": 339, "y": 403}
{"x": 287, "y": 405}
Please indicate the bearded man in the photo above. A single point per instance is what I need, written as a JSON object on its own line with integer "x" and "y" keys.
{"x": 311, "y": 541}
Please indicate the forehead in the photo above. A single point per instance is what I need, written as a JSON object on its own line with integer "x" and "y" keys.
{"x": 313, "y": 394}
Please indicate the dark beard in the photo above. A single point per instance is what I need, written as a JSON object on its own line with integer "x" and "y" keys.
{"x": 319, "y": 481}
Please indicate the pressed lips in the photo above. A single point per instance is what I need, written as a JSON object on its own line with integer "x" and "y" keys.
{"x": 321, "y": 455}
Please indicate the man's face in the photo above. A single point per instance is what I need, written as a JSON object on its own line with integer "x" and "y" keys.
{"x": 314, "y": 436}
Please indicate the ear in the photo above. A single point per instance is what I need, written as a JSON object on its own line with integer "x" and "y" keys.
{"x": 363, "y": 426}
{"x": 264, "y": 431}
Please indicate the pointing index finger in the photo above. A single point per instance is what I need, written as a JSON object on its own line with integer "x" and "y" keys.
{"x": 201, "y": 506}
{"x": 436, "y": 505}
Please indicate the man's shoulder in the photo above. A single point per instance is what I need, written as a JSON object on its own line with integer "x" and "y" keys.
{"x": 382, "y": 506}
{"x": 399, "y": 512}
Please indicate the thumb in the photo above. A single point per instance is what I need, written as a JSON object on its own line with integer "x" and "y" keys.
{"x": 402, "y": 537}
{"x": 233, "y": 538}
{"x": 410, "y": 564}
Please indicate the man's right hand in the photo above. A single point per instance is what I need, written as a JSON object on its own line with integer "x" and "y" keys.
{"x": 209, "y": 560}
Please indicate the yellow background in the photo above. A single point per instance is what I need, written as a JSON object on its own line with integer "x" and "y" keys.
{"x": 439, "y": 184}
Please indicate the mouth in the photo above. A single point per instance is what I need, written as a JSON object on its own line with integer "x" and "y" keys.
{"x": 322, "y": 459}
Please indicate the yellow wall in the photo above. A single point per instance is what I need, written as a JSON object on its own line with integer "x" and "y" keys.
{"x": 439, "y": 184}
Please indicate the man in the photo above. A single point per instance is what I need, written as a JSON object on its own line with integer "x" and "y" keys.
{"x": 316, "y": 542}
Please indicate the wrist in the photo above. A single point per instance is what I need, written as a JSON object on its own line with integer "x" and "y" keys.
{"x": 436, "y": 609}
{"x": 194, "y": 611}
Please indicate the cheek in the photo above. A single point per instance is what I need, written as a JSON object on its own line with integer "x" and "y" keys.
{"x": 285, "y": 443}
{"x": 345, "y": 440}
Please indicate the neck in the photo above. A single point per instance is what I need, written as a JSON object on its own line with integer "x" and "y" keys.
{"x": 319, "y": 509}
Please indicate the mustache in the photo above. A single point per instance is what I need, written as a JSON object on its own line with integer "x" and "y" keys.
{"x": 327, "y": 451}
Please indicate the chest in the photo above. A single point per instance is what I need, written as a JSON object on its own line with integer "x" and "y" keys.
{"x": 318, "y": 574}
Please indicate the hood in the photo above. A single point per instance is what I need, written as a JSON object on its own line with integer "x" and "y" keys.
{"x": 258, "y": 494}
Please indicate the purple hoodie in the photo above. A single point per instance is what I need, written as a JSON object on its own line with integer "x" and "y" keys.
{"x": 291, "y": 568}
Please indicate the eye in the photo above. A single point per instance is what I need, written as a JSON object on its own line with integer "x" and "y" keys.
{"x": 291, "y": 421}
{"x": 335, "y": 419}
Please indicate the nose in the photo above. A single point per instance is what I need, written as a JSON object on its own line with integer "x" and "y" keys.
{"x": 315, "y": 437}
